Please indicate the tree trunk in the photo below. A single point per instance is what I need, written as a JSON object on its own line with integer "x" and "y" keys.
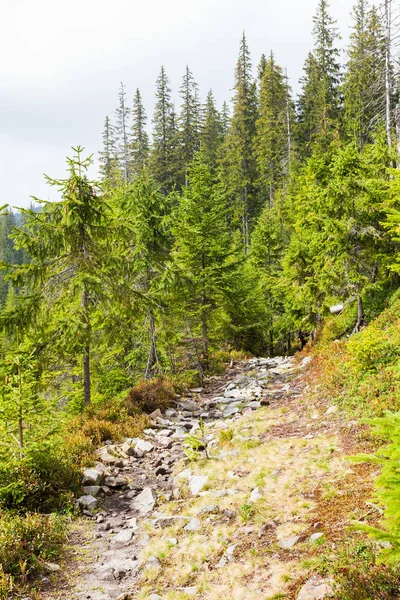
{"x": 387, "y": 71}
{"x": 20, "y": 410}
{"x": 86, "y": 350}
{"x": 360, "y": 315}
{"x": 153, "y": 358}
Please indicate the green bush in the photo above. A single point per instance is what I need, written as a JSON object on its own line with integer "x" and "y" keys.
{"x": 44, "y": 480}
{"x": 148, "y": 395}
{"x": 25, "y": 543}
{"x": 358, "y": 576}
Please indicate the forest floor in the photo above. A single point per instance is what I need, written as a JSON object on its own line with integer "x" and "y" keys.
{"x": 254, "y": 519}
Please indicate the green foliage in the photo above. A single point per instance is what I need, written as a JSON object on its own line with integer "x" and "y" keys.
{"x": 25, "y": 544}
{"x": 358, "y": 576}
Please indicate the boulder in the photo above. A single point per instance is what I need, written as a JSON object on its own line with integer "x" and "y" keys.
{"x": 92, "y": 490}
{"x": 255, "y": 495}
{"x": 197, "y": 483}
{"x": 145, "y": 501}
{"x": 144, "y": 446}
{"x": 123, "y": 537}
{"x": 92, "y": 477}
{"x": 87, "y": 502}
{"x": 315, "y": 588}
{"x": 193, "y": 525}
{"x": 287, "y": 543}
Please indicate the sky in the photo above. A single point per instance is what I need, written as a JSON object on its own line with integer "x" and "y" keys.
{"x": 63, "y": 61}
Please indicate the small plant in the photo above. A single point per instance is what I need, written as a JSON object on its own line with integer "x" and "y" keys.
{"x": 226, "y": 435}
{"x": 246, "y": 512}
{"x": 195, "y": 445}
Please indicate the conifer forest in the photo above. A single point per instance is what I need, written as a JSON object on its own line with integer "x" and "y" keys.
{"x": 213, "y": 237}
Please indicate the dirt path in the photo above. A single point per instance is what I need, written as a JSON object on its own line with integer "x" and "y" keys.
{"x": 249, "y": 521}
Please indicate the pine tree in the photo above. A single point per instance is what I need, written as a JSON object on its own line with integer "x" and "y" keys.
{"x": 107, "y": 156}
{"x": 139, "y": 139}
{"x": 261, "y": 68}
{"x": 122, "y": 131}
{"x": 211, "y": 131}
{"x": 163, "y": 154}
{"x": 238, "y": 166}
{"x": 188, "y": 122}
{"x": 271, "y": 141}
{"x": 364, "y": 82}
{"x": 319, "y": 101}
{"x": 225, "y": 119}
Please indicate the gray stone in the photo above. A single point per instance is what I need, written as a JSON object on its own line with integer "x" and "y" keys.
{"x": 164, "y": 521}
{"x": 116, "y": 482}
{"x": 316, "y": 536}
{"x": 87, "y": 502}
{"x": 154, "y": 597}
{"x": 209, "y": 510}
{"x": 255, "y": 495}
{"x": 193, "y": 525}
{"x": 123, "y": 537}
{"x": 164, "y": 442}
{"x": 315, "y": 588}
{"x": 92, "y": 477}
{"x": 332, "y": 410}
{"x": 171, "y": 412}
{"x": 287, "y": 543}
{"x": 52, "y": 567}
{"x": 144, "y": 446}
{"x": 152, "y": 563}
{"x": 127, "y": 449}
{"x": 230, "y": 411}
{"x": 166, "y": 432}
{"x": 145, "y": 501}
{"x": 92, "y": 490}
{"x": 197, "y": 483}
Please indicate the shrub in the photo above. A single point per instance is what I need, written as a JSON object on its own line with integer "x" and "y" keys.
{"x": 44, "y": 480}
{"x": 149, "y": 395}
{"x": 357, "y": 575}
{"x": 25, "y": 543}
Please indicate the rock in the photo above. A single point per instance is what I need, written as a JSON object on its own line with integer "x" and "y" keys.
{"x": 164, "y": 442}
{"x": 132, "y": 524}
{"x": 92, "y": 477}
{"x": 144, "y": 446}
{"x": 255, "y": 495}
{"x": 92, "y": 490}
{"x": 316, "y": 588}
{"x": 164, "y": 521}
{"x": 152, "y": 562}
{"x": 106, "y": 575}
{"x": 137, "y": 453}
{"x": 188, "y": 405}
{"x": 332, "y": 410}
{"x": 162, "y": 470}
{"x": 102, "y": 469}
{"x": 287, "y": 543}
{"x": 193, "y": 525}
{"x": 127, "y": 449}
{"x": 123, "y": 537}
{"x": 145, "y": 501}
{"x": 254, "y": 404}
{"x": 172, "y": 541}
{"x": 87, "y": 502}
{"x": 197, "y": 483}
{"x": 171, "y": 412}
{"x": 230, "y": 411}
{"x": 116, "y": 482}
{"x": 154, "y": 597}
{"x": 189, "y": 591}
{"x": 316, "y": 536}
{"x": 197, "y": 390}
{"x": 306, "y": 361}
{"x": 165, "y": 432}
{"x": 156, "y": 414}
{"x": 52, "y": 567}
{"x": 211, "y": 509}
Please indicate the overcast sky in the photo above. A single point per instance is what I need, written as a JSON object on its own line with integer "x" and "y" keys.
{"x": 63, "y": 61}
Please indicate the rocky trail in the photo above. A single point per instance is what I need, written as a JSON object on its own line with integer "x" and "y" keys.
{"x": 244, "y": 512}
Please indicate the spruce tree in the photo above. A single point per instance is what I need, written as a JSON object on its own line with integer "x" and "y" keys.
{"x": 122, "y": 133}
{"x": 364, "y": 81}
{"x": 238, "y": 165}
{"x": 188, "y": 122}
{"x": 107, "y": 156}
{"x": 163, "y": 160}
{"x": 68, "y": 246}
{"x": 211, "y": 131}
{"x": 205, "y": 258}
{"x": 271, "y": 141}
{"x": 319, "y": 101}
{"x": 139, "y": 139}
